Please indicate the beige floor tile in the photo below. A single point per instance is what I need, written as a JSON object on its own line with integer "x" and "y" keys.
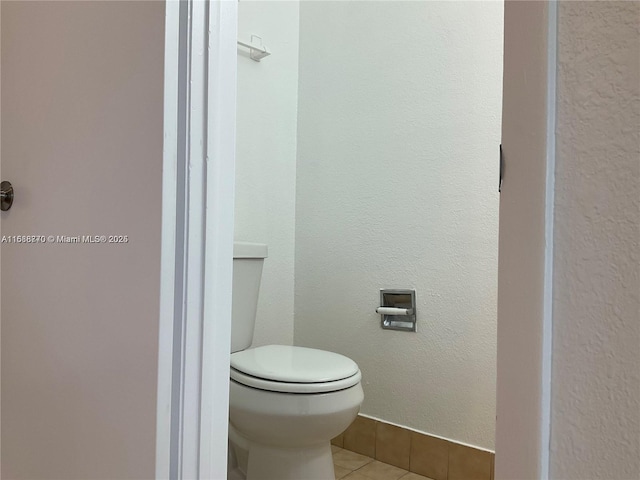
{"x": 381, "y": 471}
{"x": 350, "y": 460}
{"x": 466, "y": 463}
{"x": 356, "y": 476}
{"x": 393, "y": 445}
{"x": 429, "y": 456}
{"x": 335, "y": 448}
{"x": 414, "y": 476}
{"x": 341, "y": 472}
{"x": 361, "y": 436}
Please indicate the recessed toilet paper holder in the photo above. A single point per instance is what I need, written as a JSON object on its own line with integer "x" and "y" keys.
{"x": 397, "y": 310}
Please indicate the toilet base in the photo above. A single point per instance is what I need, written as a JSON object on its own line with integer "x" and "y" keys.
{"x": 277, "y": 463}
{"x": 254, "y": 461}
{"x": 283, "y": 436}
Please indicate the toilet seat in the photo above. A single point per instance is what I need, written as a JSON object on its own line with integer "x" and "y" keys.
{"x": 289, "y": 369}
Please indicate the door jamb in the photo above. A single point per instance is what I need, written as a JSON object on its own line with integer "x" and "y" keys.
{"x": 197, "y": 239}
{"x": 523, "y": 448}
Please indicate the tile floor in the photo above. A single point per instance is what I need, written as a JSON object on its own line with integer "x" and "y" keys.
{"x": 353, "y": 466}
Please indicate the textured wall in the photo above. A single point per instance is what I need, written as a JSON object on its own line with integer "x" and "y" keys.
{"x": 596, "y": 355}
{"x": 399, "y": 124}
{"x": 266, "y": 158}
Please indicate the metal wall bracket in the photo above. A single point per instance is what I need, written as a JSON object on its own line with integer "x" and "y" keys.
{"x": 257, "y": 51}
{"x": 398, "y": 310}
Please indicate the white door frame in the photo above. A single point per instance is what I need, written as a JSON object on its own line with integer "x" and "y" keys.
{"x": 197, "y": 239}
{"x": 525, "y": 270}
{"x": 197, "y": 244}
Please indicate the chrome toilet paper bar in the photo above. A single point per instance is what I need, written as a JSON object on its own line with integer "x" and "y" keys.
{"x": 394, "y": 311}
{"x": 397, "y": 310}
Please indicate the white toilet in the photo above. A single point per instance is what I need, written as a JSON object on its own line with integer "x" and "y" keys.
{"x": 286, "y": 403}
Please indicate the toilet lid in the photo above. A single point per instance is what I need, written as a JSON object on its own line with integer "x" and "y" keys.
{"x": 285, "y": 368}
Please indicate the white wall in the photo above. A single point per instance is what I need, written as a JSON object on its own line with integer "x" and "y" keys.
{"x": 266, "y": 158}
{"x": 82, "y": 128}
{"x": 596, "y": 354}
{"x": 398, "y": 134}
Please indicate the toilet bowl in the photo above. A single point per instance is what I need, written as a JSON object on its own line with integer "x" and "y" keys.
{"x": 286, "y": 403}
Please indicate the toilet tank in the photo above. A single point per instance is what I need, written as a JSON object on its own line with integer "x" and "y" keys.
{"x": 248, "y": 259}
